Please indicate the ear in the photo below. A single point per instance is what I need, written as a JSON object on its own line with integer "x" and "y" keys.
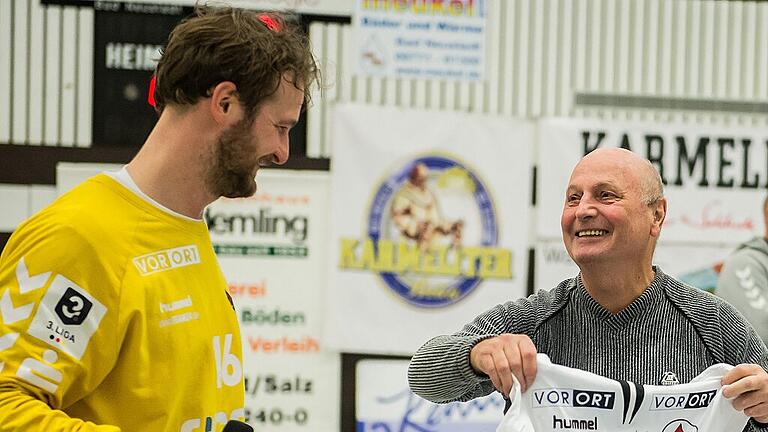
{"x": 659, "y": 214}
{"x": 225, "y": 106}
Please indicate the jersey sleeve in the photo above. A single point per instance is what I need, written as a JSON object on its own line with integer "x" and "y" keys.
{"x": 743, "y": 283}
{"x": 59, "y": 303}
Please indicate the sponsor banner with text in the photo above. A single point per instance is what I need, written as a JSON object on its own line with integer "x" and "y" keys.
{"x": 716, "y": 177}
{"x": 319, "y": 7}
{"x": 385, "y": 403}
{"x": 421, "y": 39}
{"x": 272, "y": 249}
{"x": 429, "y": 229}
{"x": 698, "y": 266}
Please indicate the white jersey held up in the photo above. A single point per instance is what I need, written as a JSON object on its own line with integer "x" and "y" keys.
{"x": 567, "y": 399}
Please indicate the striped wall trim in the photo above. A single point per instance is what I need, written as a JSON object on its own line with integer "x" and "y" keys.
{"x": 667, "y": 103}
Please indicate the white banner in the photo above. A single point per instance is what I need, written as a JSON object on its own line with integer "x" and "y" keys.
{"x": 427, "y": 40}
{"x": 320, "y": 7}
{"x": 716, "y": 177}
{"x": 272, "y": 249}
{"x": 430, "y": 223}
{"x": 698, "y": 266}
{"x": 384, "y": 403}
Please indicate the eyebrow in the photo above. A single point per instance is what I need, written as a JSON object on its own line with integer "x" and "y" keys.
{"x": 606, "y": 185}
{"x": 287, "y": 123}
{"x": 601, "y": 185}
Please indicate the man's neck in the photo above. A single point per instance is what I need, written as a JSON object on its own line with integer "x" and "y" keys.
{"x": 170, "y": 167}
{"x": 615, "y": 290}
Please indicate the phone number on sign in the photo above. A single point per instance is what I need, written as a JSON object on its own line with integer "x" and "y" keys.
{"x": 277, "y": 416}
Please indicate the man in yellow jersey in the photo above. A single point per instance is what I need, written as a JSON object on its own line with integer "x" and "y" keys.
{"x": 115, "y": 315}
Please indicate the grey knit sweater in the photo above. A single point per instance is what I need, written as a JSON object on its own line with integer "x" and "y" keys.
{"x": 671, "y": 327}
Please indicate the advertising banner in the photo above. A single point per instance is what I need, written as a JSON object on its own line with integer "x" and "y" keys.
{"x": 715, "y": 177}
{"x": 272, "y": 249}
{"x": 319, "y": 7}
{"x": 427, "y": 39}
{"x": 429, "y": 227}
{"x": 384, "y": 403}
{"x": 698, "y": 266}
{"x": 127, "y": 44}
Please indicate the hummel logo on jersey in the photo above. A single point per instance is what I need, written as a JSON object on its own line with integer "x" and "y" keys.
{"x": 680, "y": 425}
{"x": 668, "y": 379}
{"x": 682, "y": 401}
{"x": 73, "y": 308}
{"x": 575, "y": 398}
{"x": 574, "y": 423}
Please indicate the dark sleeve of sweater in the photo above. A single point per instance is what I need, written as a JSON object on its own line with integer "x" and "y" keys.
{"x": 741, "y": 344}
{"x": 440, "y": 370}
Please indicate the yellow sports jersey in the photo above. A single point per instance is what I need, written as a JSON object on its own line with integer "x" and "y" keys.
{"x": 115, "y": 317}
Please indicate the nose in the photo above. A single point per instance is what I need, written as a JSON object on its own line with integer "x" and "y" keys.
{"x": 281, "y": 154}
{"x": 586, "y": 208}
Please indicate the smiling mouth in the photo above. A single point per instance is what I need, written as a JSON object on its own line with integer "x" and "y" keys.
{"x": 591, "y": 233}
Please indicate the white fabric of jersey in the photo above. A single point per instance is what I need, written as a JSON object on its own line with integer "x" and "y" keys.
{"x": 567, "y": 399}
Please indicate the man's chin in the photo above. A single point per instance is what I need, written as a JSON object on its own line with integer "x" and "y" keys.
{"x": 243, "y": 190}
{"x": 587, "y": 259}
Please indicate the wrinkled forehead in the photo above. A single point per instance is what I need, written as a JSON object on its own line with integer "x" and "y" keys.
{"x": 590, "y": 172}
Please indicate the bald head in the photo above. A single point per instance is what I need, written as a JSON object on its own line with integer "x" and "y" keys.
{"x": 613, "y": 212}
{"x": 651, "y": 186}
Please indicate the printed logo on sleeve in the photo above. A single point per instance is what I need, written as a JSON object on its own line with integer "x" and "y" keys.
{"x": 67, "y": 317}
{"x": 73, "y": 307}
{"x": 41, "y": 373}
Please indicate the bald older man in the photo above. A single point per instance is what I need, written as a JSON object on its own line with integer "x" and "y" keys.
{"x": 621, "y": 317}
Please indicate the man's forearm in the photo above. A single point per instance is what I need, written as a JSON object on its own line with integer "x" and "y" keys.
{"x": 440, "y": 370}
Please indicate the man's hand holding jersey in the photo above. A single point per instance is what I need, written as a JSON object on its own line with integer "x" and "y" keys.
{"x": 502, "y": 356}
{"x": 747, "y": 385}
{"x": 505, "y": 355}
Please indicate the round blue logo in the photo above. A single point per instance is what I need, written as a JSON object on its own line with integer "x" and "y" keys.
{"x": 434, "y": 228}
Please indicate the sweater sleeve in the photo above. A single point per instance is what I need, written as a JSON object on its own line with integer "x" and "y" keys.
{"x": 441, "y": 372}
{"x": 743, "y": 283}
{"x": 743, "y": 345}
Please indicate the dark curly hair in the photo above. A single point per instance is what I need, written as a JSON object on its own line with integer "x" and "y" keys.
{"x": 251, "y": 49}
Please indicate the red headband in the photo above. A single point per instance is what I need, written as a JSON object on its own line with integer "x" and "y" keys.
{"x": 270, "y": 23}
{"x": 151, "y": 95}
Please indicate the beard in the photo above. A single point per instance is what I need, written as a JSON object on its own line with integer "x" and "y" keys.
{"x": 232, "y": 173}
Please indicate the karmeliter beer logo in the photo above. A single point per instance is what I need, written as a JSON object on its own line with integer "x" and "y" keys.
{"x": 432, "y": 233}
